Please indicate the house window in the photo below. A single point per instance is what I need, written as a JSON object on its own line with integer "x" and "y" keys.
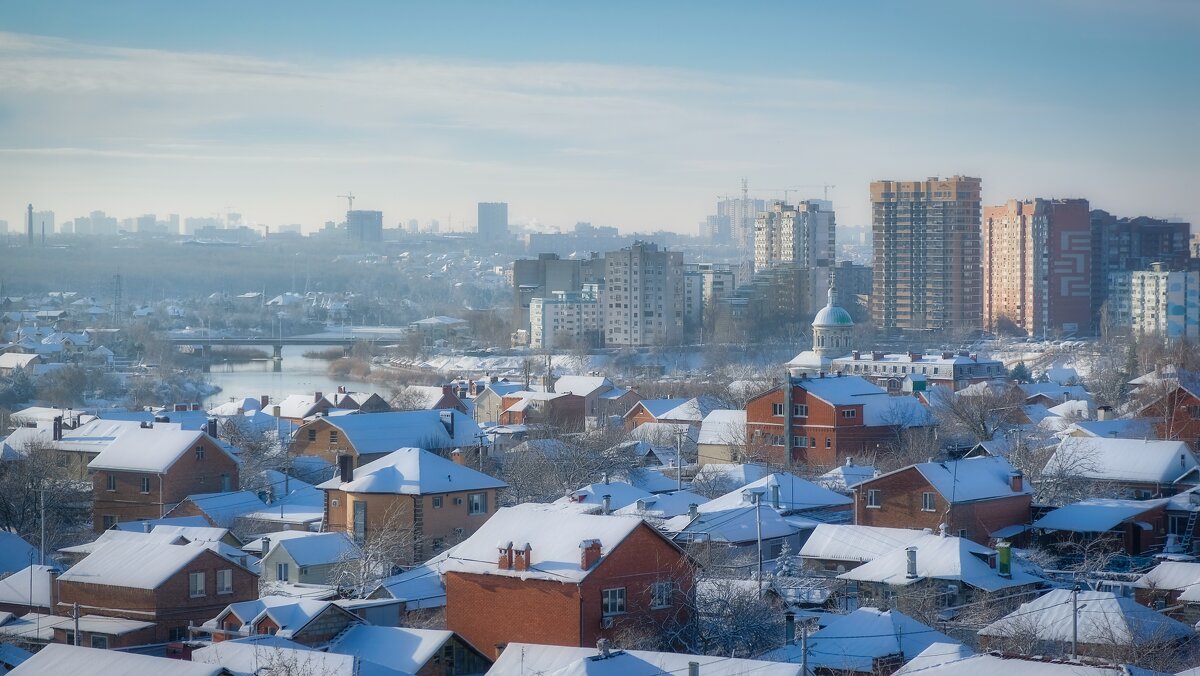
{"x": 225, "y": 581}
{"x": 438, "y": 544}
{"x": 873, "y": 498}
{"x": 281, "y": 572}
{"x": 196, "y": 584}
{"x": 177, "y": 634}
{"x": 928, "y": 503}
{"x": 828, "y": 442}
{"x": 312, "y": 435}
{"x": 850, "y": 413}
{"x": 612, "y": 601}
{"x": 776, "y": 409}
{"x": 98, "y": 641}
{"x": 112, "y": 482}
{"x": 360, "y": 521}
{"x": 437, "y": 502}
{"x": 800, "y": 410}
{"x": 962, "y": 532}
{"x": 145, "y": 485}
{"x": 800, "y": 442}
{"x": 199, "y": 452}
{"x": 661, "y": 593}
{"x": 477, "y": 503}
{"x": 333, "y": 436}
{"x": 1194, "y": 412}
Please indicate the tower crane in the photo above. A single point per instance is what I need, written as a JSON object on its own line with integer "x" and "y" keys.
{"x": 349, "y": 197}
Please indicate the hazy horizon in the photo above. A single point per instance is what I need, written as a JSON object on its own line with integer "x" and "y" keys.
{"x": 622, "y": 115}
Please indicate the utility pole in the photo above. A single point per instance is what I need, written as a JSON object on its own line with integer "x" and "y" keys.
{"x": 758, "y": 529}
{"x": 1075, "y": 622}
{"x": 75, "y": 614}
{"x": 804, "y": 649}
{"x": 679, "y": 459}
{"x": 42, "y": 544}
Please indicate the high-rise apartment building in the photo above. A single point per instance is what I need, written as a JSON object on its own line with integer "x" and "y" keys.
{"x": 1158, "y": 302}
{"x": 546, "y": 276}
{"x": 925, "y": 237}
{"x": 1037, "y": 276}
{"x": 364, "y": 226}
{"x": 1122, "y": 245}
{"x": 802, "y": 236}
{"x": 643, "y": 296}
{"x": 566, "y": 320}
{"x": 734, "y": 222}
{"x": 493, "y": 220}
{"x": 703, "y": 285}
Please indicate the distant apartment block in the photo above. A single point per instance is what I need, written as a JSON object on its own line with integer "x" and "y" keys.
{"x": 1122, "y": 245}
{"x": 643, "y": 296}
{"x": 802, "y": 236}
{"x": 493, "y": 220}
{"x": 703, "y": 285}
{"x": 734, "y": 222}
{"x": 927, "y": 252}
{"x": 1156, "y": 302}
{"x": 365, "y": 226}
{"x": 1037, "y": 273}
{"x": 853, "y": 282}
{"x": 566, "y": 320}
{"x": 546, "y": 275}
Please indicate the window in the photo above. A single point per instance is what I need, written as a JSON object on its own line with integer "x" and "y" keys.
{"x": 1194, "y": 412}
{"x": 281, "y": 572}
{"x": 437, "y": 502}
{"x": 962, "y": 532}
{"x": 98, "y": 641}
{"x": 196, "y": 584}
{"x": 145, "y": 485}
{"x": 199, "y": 452}
{"x": 225, "y": 581}
{"x": 776, "y": 409}
{"x": 360, "y": 521}
{"x": 928, "y": 503}
{"x": 800, "y": 442}
{"x": 110, "y": 520}
{"x": 312, "y": 435}
{"x": 333, "y": 437}
{"x": 112, "y": 482}
{"x": 477, "y": 503}
{"x": 828, "y": 442}
{"x": 800, "y": 410}
{"x": 850, "y": 413}
{"x": 177, "y": 634}
{"x": 873, "y": 498}
{"x": 660, "y": 594}
{"x": 438, "y": 544}
{"x": 612, "y": 601}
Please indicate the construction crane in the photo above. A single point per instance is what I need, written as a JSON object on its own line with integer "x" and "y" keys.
{"x": 823, "y": 186}
{"x": 349, "y": 197}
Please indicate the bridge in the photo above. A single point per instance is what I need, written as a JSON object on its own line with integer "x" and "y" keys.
{"x": 277, "y": 343}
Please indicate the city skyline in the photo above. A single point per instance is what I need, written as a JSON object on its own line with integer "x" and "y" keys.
{"x": 639, "y": 124}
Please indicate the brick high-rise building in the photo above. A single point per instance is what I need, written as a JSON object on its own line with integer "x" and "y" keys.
{"x": 1037, "y": 267}
{"x": 643, "y": 296}
{"x": 926, "y": 245}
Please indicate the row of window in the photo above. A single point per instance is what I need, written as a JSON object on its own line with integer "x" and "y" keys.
{"x": 928, "y": 500}
{"x": 801, "y": 411}
{"x": 612, "y": 601}
{"x": 144, "y": 483}
{"x": 197, "y": 583}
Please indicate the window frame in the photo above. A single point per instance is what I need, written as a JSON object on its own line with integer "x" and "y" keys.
{"x": 225, "y": 581}
{"x": 799, "y": 410}
{"x": 874, "y": 498}
{"x": 662, "y": 593}
{"x": 197, "y": 591}
{"x": 145, "y": 485}
{"x": 928, "y": 501}
{"x": 282, "y": 572}
{"x": 98, "y": 641}
{"x": 613, "y": 601}
{"x": 436, "y": 502}
{"x": 777, "y": 409}
{"x": 110, "y": 482}
{"x": 482, "y": 501}
{"x": 199, "y": 453}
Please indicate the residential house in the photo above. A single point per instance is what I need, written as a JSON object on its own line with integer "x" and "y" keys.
{"x": 560, "y": 410}
{"x": 593, "y": 390}
{"x": 1161, "y": 587}
{"x": 604, "y": 497}
{"x": 833, "y": 549}
{"x": 12, "y": 361}
{"x": 309, "y": 560}
{"x": 1133, "y": 526}
{"x": 972, "y": 498}
{"x": 429, "y": 398}
{"x": 299, "y": 407}
{"x": 787, "y": 494}
{"x": 29, "y": 590}
{"x": 370, "y": 436}
{"x": 405, "y": 650}
{"x": 684, "y": 411}
{"x": 846, "y": 476}
{"x": 720, "y": 536}
{"x": 363, "y": 402}
{"x": 521, "y": 659}
{"x": 435, "y": 501}
{"x": 1173, "y": 401}
{"x": 952, "y": 659}
{"x": 1136, "y": 468}
{"x": 170, "y": 585}
{"x": 722, "y": 438}
{"x": 489, "y": 402}
{"x": 260, "y": 654}
{"x": 60, "y": 660}
{"x": 916, "y": 371}
{"x": 219, "y": 510}
{"x": 306, "y": 621}
{"x": 145, "y": 471}
{"x": 572, "y": 578}
{"x": 829, "y": 419}
{"x": 1052, "y": 394}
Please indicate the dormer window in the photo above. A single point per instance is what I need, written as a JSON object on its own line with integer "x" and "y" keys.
{"x": 199, "y": 452}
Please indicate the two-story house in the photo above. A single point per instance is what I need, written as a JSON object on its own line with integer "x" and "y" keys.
{"x": 973, "y": 498}
{"x": 171, "y": 585}
{"x": 370, "y": 436}
{"x": 310, "y": 560}
{"x": 829, "y": 418}
{"x": 557, "y": 409}
{"x": 435, "y": 502}
{"x": 308, "y": 622}
{"x": 682, "y": 411}
{"x": 570, "y": 578}
{"x": 145, "y": 471}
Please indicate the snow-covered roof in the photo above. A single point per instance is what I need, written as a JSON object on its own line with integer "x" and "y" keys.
{"x": 1117, "y": 428}
{"x": 243, "y": 657}
{"x": 967, "y": 480}
{"x": 690, "y": 410}
{"x": 723, "y": 426}
{"x": 16, "y": 589}
{"x": 15, "y": 552}
{"x": 413, "y": 471}
{"x": 1096, "y": 515}
{"x": 1055, "y": 391}
{"x": 236, "y": 407}
{"x": 298, "y": 406}
{"x": 734, "y": 525}
{"x": 852, "y": 642}
{"x": 666, "y": 434}
{"x": 581, "y": 385}
{"x": 1104, "y": 618}
{"x": 403, "y": 649}
{"x": 1135, "y": 460}
{"x": 844, "y": 542}
{"x": 319, "y": 549}
{"x": 1173, "y": 575}
{"x": 225, "y": 508}
{"x": 663, "y": 505}
{"x": 737, "y": 474}
{"x": 420, "y": 587}
{"x": 846, "y": 476}
{"x": 795, "y": 495}
{"x": 148, "y": 449}
{"x": 940, "y": 557}
{"x": 57, "y": 659}
{"x": 620, "y": 495}
{"x": 553, "y": 534}
{"x": 521, "y": 659}
{"x": 943, "y": 659}
{"x": 140, "y": 526}
{"x": 372, "y": 433}
{"x": 256, "y": 546}
{"x": 141, "y": 563}
{"x": 842, "y": 390}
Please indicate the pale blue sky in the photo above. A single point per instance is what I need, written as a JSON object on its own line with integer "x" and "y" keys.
{"x": 628, "y": 114}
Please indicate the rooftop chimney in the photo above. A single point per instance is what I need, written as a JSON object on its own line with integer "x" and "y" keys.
{"x": 693, "y": 510}
{"x": 856, "y": 354}
{"x": 57, "y": 428}
{"x": 589, "y": 553}
{"x": 1104, "y": 413}
{"x": 179, "y": 407}
{"x": 275, "y": 410}
{"x": 146, "y": 526}
{"x": 341, "y": 389}
{"x": 607, "y": 504}
{"x": 506, "y": 556}
{"x": 316, "y": 396}
{"x": 346, "y": 467}
{"x": 457, "y": 456}
{"x": 1015, "y": 481}
{"x": 266, "y": 546}
{"x": 775, "y": 495}
{"x": 211, "y": 427}
{"x": 522, "y": 557}
{"x": 1004, "y": 559}
{"x": 912, "y": 563}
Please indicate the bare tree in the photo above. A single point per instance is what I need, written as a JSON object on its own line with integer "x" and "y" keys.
{"x": 67, "y": 501}
{"x": 978, "y": 415}
{"x": 361, "y": 570}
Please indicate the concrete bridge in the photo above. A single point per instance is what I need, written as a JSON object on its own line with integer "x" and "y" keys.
{"x": 277, "y": 343}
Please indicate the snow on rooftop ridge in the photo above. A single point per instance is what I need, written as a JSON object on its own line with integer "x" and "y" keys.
{"x": 413, "y": 471}
{"x": 795, "y": 494}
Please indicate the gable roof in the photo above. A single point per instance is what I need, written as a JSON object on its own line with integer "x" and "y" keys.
{"x": 372, "y": 433}
{"x": 1173, "y": 575}
{"x": 723, "y": 426}
{"x": 290, "y": 614}
{"x": 141, "y": 563}
{"x": 319, "y": 549}
{"x": 149, "y": 449}
{"x": 844, "y": 542}
{"x": 224, "y": 508}
{"x": 795, "y": 494}
{"x": 846, "y": 476}
{"x": 15, "y": 552}
{"x": 942, "y": 659}
{"x": 413, "y": 471}
{"x": 940, "y": 557}
{"x": 29, "y": 586}
{"x": 854, "y": 641}
{"x": 690, "y": 410}
{"x": 1104, "y": 618}
{"x": 247, "y": 655}
{"x": 1096, "y": 515}
{"x": 734, "y": 525}
{"x": 967, "y": 480}
{"x": 1137, "y": 460}
{"x": 663, "y": 505}
{"x": 57, "y": 659}
{"x": 582, "y": 385}
{"x": 521, "y": 659}
{"x": 404, "y": 649}
{"x": 620, "y": 495}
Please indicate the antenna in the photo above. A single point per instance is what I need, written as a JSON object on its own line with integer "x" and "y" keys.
{"x": 349, "y": 197}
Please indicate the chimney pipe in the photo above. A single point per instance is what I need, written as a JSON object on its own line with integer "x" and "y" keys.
{"x": 693, "y": 669}
{"x": 457, "y": 456}
{"x": 346, "y": 467}
{"x": 505, "y": 561}
{"x": 589, "y": 553}
{"x": 57, "y": 431}
{"x": 693, "y": 510}
{"x": 1004, "y": 559}
{"x": 912, "y": 563}
{"x": 1015, "y": 481}
{"x": 1104, "y": 413}
{"x": 211, "y": 427}
{"x": 608, "y": 504}
{"x": 146, "y": 526}
{"x": 522, "y": 557}
{"x": 316, "y": 396}
{"x": 266, "y": 546}
{"x": 263, "y": 400}
{"x": 775, "y": 495}
{"x": 789, "y": 628}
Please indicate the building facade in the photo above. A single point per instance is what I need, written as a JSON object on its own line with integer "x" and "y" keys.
{"x": 364, "y": 226}
{"x": 927, "y": 255}
{"x": 643, "y": 296}
{"x": 1037, "y": 273}
{"x": 1156, "y": 302}
{"x": 1122, "y": 245}
{"x": 493, "y": 220}
{"x": 546, "y": 275}
{"x": 565, "y": 320}
{"x": 802, "y": 235}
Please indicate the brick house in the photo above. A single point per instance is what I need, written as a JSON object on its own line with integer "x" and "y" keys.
{"x": 1126, "y": 468}
{"x": 973, "y": 498}
{"x": 1162, "y": 586}
{"x": 489, "y": 400}
{"x": 1133, "y": 526}
{"x": 366, "y": 402}
{"x": 171, "y": 585}
{"x": 1176, "y": 408}
{"x": 145, "y": 471}
{"x": 600, "y": 396}
{"x": 560, "y": 409}
{"x": 685, "y": 411}
{"x": 430, "y": 398}
{"x": 370, "y": 436}
{"x": 298, "y": 407}
{"x": 571, "y": 579}
{"x": 306, "y": 621}
{"x": 438, "y": 501}
{"x": 832, "y": 418}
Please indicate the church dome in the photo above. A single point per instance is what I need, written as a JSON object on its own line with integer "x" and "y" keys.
{"x": 831, "y": 315}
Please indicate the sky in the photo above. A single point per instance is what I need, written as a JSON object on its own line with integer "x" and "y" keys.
{"x": 628, "y": 114}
